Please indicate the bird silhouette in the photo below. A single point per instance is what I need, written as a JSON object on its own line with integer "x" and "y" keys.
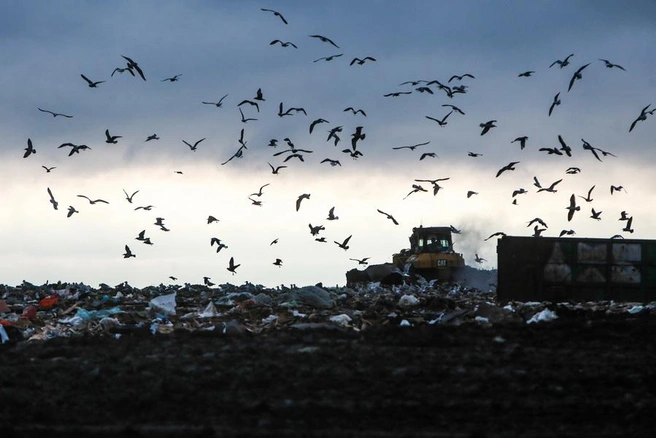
{"x": 555, "y": 103}
{"x": 362, "y": 261}
{"x": 324, "y": 39}
{"x": 111, "y": 138}
{"x": 275, "y": 170}
{"x": 478, "y": 259}
{"x": 195, "y": 145}
{"x": 133, "y": 65}
{"x": 211, "y": 219}
{"x": 29, "y": 150}
{"x": 412, "y": 147}
{"x": 361, "y": 61}
{"x": 526, "y": 74}
{"x": 218, "y": 104}
{"x": 152, "y": 137}
{"x": 522, "y": 141}
{"x": 328, "y": 58}
{"x": 129, "y": 197}
{"x": 314, "y": 230}
{"x": 572, "y": 208}
{"x": 300, "y": 199}
{"x": 596, "y": 214}
{"x": 91, "y": 83}
{"x": 232, "y": 267}
{"x": 277, "y": 14}
{"x": 577, "y": 76}
{"x": 49, "y": 169}
{"x": 354, "y": 111}
{"x": 641, "y": 117}
{"x": 389, "y": 216}
{"x": 128, "y": 253}
{"x": 54, "y": 203}
{"x": 283, "y": 43}
{"x": 93, "y": 201}
{"x": 71, "y": 211}
{"x": 331, "y": 215}
{"x": 54, "y": 114}
{"x": 344, "y": 244}
{"x": 317, "y": 121}
{"x": 442, "y": 122}
{"x": 611, "y": 65}
{"x": 172, "y": 78}
{"x": 563, "y": 63}
{"x": 278, "y": 263}
{"x": 588, "y": 198}
{"x": 509, "y": 166}
{"x": 487, "y": 126}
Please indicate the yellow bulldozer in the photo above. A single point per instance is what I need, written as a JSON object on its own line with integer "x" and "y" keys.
{"x": 431, "y": 254}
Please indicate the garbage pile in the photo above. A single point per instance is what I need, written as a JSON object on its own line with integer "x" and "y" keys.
{"x": 34, "y": 313}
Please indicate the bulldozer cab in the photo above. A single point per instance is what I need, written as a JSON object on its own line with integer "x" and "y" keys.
{"x": 431, "y": 240}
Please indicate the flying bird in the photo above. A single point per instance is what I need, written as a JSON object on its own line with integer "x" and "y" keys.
{"x": 487, "y": 126}
{"x": 362, "y": 61}
{"x": 55, "y": 114}
{"x": 195, "y": 145}
{"x": 478, "y": 259}
{"x": 641, "y": 117}
{"x": 362, "y": 261}
{"x": 498, "y": 233}
{"x": 259, "y": 193}
{"x": 129, "y": 197}
{"x": 344, "y": 244}
{"x": 133, "y": 65}
{"x": 112, "y": 139}
{"x": 122, "y": 70}
{"x": 596, "y": 214}
{"x": 522, "y": 141}
{"x": 152, "y": 137}
{"x": 354, "y": 111}
{"x": 314, "y": 230}
{"x": 54, "y": 203}
{"x": 328, "y": 58}
{"x": 278, "y": 263}
{"x": 442, "y": 122}
{"x": 566, "y": 233}
{"x": 471, "y": 193}
{"x": 244, "y": 119}
{"x": 415, "y": 188}
{"x": 317, "y": 121}
{"x": 172, "y": 78}
{"x": 564, "y": 147}
{"x": 325, "y": 40}
{"x": 509, "y": 166}
{"x": 397, "y": 93}
{"x": 563, "y": 63}
{"x": 588, "y": 198}
{"x": 331, "y": 215}
{"x": 460, "y": 78}
{"x": 611, "y": 65}
{"x": 128, "y": 253}
{"x": 627, "y": 227}
{"x": 525, "y": 74}
{"x": 283, "y": 43}
{"x": 389, "y": 216}
{"x": 218, "y": 104}
{"x": 277, "y": 14}
{"x": 275, "y": 170}
{"x": 427, "y": 154}
{"x": 48, "y": 169}
{"x": 91, "y": 83}
{"x": 576, "y": 76}
{"x": 300, "y": 198}
{"x": 572, "y": 207}
{"x": 555, "y": 103}
{"x": 412, "y": 147}
{"x": 93, "y": 201}
{"x": 29, "y": 150}
{"x": 71, "y": 211}
{"x": 211, "y": 219}
{"x": 616, "y": 189}
{"x": 231, "y": 266}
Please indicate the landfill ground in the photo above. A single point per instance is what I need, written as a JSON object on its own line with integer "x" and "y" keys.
{"x": 432, "y": 369}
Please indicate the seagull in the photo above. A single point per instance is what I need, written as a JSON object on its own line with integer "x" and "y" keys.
{"x": 314, "y": 123}
{"x": 332, "y": 162}
{"x": 250, "y": 102}
{"x": 577, "y": 75}
{"x": 389, "y": 216}
{"x": 611, "y": 65}
{"x": 325, "y": 40}
{"x": 566, "y": 233}
{"x": 441, "y": 122}
{"x": 152, "y": 137}
{"x": 142, "y": 238}
{"x": 641, "y": 117}
{"x": 616, "y": 189}
{"x": 328, "y": 58}
{"x": 623, "y": 216}
{"x": 397, "y": 93}
{"x": 91, "y": 83}
{"x": 75, "y": 149}
{"x": 522, "y": 141}
{"x": 131, "y": 64}
{"x": 509, "y": 166}
{"x": 111, "y": 138}
{"x": 332, "y": 133}
{"x": 300, "y": 198}
{"x": 289, "y": 111}
{"x": 487, "y": 126}
{"x": 526, "y": 74}
{"x": 424, "y": 90}
{"x": 331, "y": 215}
{"x": 563, "y": 63}
{"x": 211, "y": 219}
{"x": 474, "y": 154}
{"x": 129, "y": 197}
{"x": 564, "y": 147}
{"x": 354, "y": 111}
{"x": 93, "y": 201}
{"x": 278, "y": 263}
{"x": 219, "y": 245}
{"x": 195, "y": 145}
{"x": 627, "y": 227}
{"x": 539, "y": 221}
{"x": 361, "y": 261}
{"x": 460, "y": 78}
{"x": 555, "y": 103}
{"x": 596, "y": 214}
{"x": 123, "y": 70}
{"x": 144, "y": 207}
{"x": 159, "y": 221}
{"x": 71, "y": 210}
{"x": 172, "y": 78}
{"x": 427, "y": 154}
{"x": 128, "y": 253}
{"x": 259, "y": 193}
{"x": 274, "y": 241}
{"x": 454, "y": 108}
{"x": 415, "y": 188}
{"x": 277, "y": 14}
{"x": 344, "y": 244}
{"x": 283, "y": 43}
{"x": 48, "y": 169}
{"x": 498, "y": 233}
{"x": 314, "y": 230}
{"x": 590, "y": 148}
{"x": 207, "y": 282}
{"x": 434, "y": 183}
{"x": 471, "y": 193}
{"x": 413, "y": 147}
{"x": 551, "y": 188}
{"x": 479, "y": 259}
{"x": 537, "y": 231}
{"x": 244, "y": 119}
{"x": 275, "y": 170}
{"x": 572, "y": 207}
{"x": 362, "y": 61}
{"x": 55, "y": 114}
{"x": 231, "y": 266}
{"x": 454, "y": 230}
{"x": 588, "y": 198}
{"x": 29, "y": 150}
{"x": 54, "y": 203}
{"x": 573, "y": 170}
{"x": 519, "y": 191}
{"x": 218, "y": 104}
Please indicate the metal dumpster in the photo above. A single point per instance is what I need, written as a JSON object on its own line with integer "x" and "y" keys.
{"x": 576, "y": 269}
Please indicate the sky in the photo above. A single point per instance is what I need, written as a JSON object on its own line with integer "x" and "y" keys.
{"x": 221, "y": 48}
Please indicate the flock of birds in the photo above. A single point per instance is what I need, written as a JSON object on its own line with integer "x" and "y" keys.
{"x": 249, "y": 109}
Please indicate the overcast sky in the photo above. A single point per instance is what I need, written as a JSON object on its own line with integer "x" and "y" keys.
{"x": 223, "y": 48}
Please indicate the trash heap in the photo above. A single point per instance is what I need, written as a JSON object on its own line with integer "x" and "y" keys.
{"x": 34, "y": 313}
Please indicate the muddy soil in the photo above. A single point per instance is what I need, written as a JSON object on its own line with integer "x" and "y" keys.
{"x": 576, "y": 376}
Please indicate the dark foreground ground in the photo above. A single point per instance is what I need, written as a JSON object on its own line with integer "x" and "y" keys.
{"x": 575, "y": 376}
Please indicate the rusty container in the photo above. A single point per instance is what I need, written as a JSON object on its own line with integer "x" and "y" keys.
{"x": 576, "y": 269}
